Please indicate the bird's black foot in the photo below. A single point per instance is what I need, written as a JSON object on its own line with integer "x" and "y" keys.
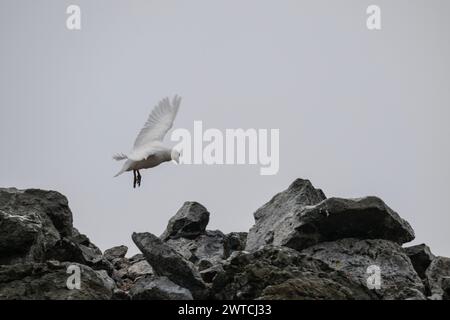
{"x": 139, "y": 178}
{"x": 135, "y": 179}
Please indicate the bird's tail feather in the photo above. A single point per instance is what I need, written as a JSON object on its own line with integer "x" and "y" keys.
{"x": 120, "y": 156}
{"x": 126, "y": 165}
{"x": 120, "y": 172}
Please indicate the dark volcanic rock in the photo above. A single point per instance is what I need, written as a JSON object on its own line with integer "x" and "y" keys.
{"x": 353, "y": 257}
{"x": 265, "y": 273}
{"x": 49, "y": 281}
{"x": 302, "y": 246}
{"x": 31, "y": 221}
{"x": 137, "y": 257}
{"x": 273, "y": 217}
{"x": 189, "y": 222}
{"x": 438, "y": 276}
{"x": 421, "y": 258}
{"x": 68, "y": 249}
{"x": 209, "y": 274}
{"x": 187, "y": 234}
{"x": 234, "y": 241}
{"x": 445, "y": 284}
{"x": 208, "y": 246}
{"x": 158, "y": 288}
{"x": 139, "y": 269}
{"x": 165, "y": 261}
{"x": 115, "y": 252}
{"x": 53, "y": 204}
{"x": 107, "y": 280}
{"x": 292, "y": 219}
{"x": 308, "y": 287}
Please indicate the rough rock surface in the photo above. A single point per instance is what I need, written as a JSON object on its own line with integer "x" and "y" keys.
{"x": 234, "y": 241}
{"x": 438, "y": 276}
{"x": 167, "y": 262}
{"x": 31, "y": 221}
{"x": 139, "y": 269}
{"x": 186, "y": 233}
{"x": 189, "y": 222}
{"x": 118, "y": 252}
{"x": 302, "y": 246}
{"x": 308, "y": 287}
{"x": 273, "y": 221}
{"x": 293, "y": 218}
{"x": 354, "y": 258}
{"x": 206, "y": 247}
{"x": 267, "y": 271}
{"x": 158, "y": 288}
{"x": 44, "y": 281}
{"x": 421, "y": 257}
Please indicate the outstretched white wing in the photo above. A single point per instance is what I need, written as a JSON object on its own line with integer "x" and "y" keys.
{"x": 159, "y": 122}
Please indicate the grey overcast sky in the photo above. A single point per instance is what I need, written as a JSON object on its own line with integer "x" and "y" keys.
{"x": 360, "y": 112}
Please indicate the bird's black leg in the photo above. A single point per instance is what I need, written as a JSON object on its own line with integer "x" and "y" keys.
{"x": 139, "y": 178}
{"x": 134, "y": 181}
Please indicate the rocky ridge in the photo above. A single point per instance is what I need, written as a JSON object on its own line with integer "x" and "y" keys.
{"x": 302, "y": 246}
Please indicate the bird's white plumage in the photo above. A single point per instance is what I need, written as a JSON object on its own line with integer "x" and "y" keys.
{"x": 143, "y": 152}
{"x": 148, "y": 149}
{"x": 159, "y": 122}
{"x": 119, "y": 156}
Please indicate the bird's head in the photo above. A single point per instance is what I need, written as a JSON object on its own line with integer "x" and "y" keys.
{"x": 175, "y": 155}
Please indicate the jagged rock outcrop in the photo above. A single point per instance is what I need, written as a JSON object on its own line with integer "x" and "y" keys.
{"x": 355, "y": 258}
{"x": 126, "y": 271}
{"x": 139, "y": 269}
{"x": 38, "y": 243}
{"x": 189, "y": 222}
{"x": 31, "y": 222}
{"x": 302, "y": 246}
{"x": 273, "y": 221}
{"x": 234, "y": 241}
{"x": 165, "y": 261}
{"x": 307, "y": 287}
{"x": 49, "y": 281}
{"x": 37, "y": 226}
{"x": 206, "y": 248}
{"x": 158, "y": 288}
{"x": 114, "y": 253}
{"x": 438, "y": 277}
{"x": 186, "y": 233}
{"x": 421, "y": 258}
{"x": 269, "y": 270}
{"x": 69, "y": 249}
{"x": 294, "y": 218}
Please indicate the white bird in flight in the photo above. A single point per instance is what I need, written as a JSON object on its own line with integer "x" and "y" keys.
{"x": 148, "y": 150}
